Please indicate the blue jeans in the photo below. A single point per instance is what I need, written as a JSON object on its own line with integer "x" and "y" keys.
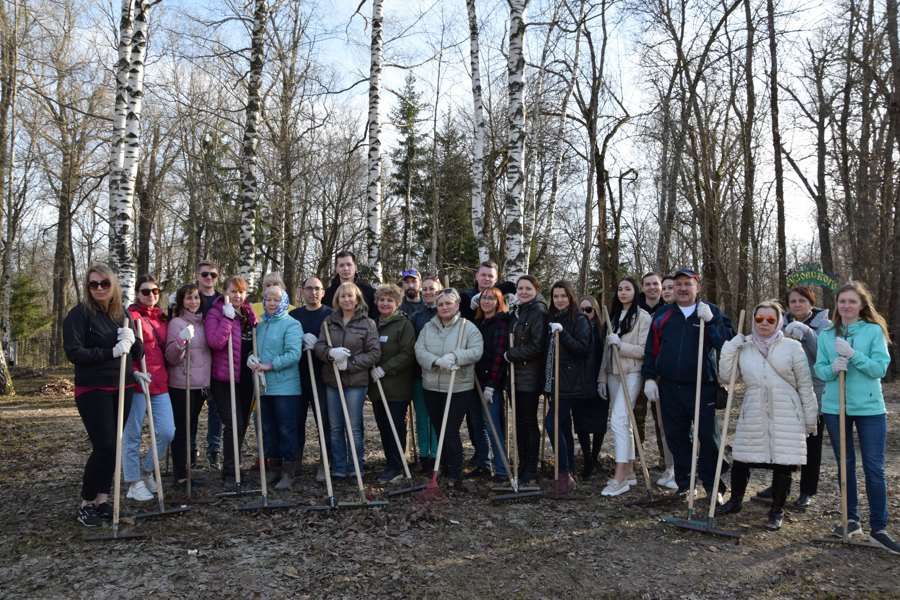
{"x": 279, "y": 420}
{"x": 478, "y": 433}
{"x": 496, "y": 412}
{"x": 164, "y": 427}
{"x": 871, "y": 430}
{"x": 342, "y": 463}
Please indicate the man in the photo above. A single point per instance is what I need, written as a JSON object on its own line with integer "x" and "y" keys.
{"x": 345, "y": 265}
{"x": 650, "y": 298}
{"x": 670, "y": 370}
{"x": 485, "y": 278}
{"x": 311, "y": 316}
{"x": 207, "y": 275}
{"x": 411, "y": 282}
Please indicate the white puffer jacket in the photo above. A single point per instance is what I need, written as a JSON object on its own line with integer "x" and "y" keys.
{"x": 779, "y": 407}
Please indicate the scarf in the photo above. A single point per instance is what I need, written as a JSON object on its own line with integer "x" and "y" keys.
{"x": 282, "y": 307}
{"x": 764, "y": 343}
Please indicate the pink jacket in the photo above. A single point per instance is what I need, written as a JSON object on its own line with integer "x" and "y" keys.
{"x": 201, "y": 361}
{"x": 217, "y": 330}
{"x": 153, "y": 327}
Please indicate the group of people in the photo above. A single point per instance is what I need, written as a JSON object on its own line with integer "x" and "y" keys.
{"x": 449, "y": 356}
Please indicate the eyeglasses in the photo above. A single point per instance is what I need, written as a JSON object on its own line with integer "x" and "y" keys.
{"x": 312, "y": 288}
{"x": 409, "y": 273}
{"x": 99, "y": 285}
{"x": 209, "y": 274}
{"x": 770, "y": 319}
{"x": 154, "y": 291}
{"x": 587, "y": 309}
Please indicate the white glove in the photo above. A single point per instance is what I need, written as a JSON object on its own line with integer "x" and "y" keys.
{"x": 474, "y": 303}
{"x": 506, "y": 357}
{"x": 454, "y": 367}
{"x": 339, "y": 354}
{"x": 309, "y": 341}
{"x": 613, "y": 340}
{"x": 126, "y": 334}
{"x": 186, "y": 334}
{"x": 122, "y": 347}
{"x": 142, "y": 377}
{"x": 341, "y": 364}
{"x": 651, "y": 390}
{"x": 447, "y": 362}
{"x": 513, "y": 301}
{"x": 554, "y": 327}
{"x": 796, "y": 330}
{"x": 603, "y": 390}
{"x": 252, "y": 362}
{"x": 844, "y": 348}
{"x": 840, "y": 364}
{"x": 172, "y": 298}
{"x": 489, "y": 395}
{"x": 377, "y": 373}
{"x": 704, "y": 312}
{"x": 450, "y": 359}
{"x": 228, "y": 311}
{"x": 738, "y": 340}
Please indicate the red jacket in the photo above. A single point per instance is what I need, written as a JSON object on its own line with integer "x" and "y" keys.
{"x": 154, "y": 329}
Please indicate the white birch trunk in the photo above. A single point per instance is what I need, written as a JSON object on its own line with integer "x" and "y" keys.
{"x": 516, "y": 258}
{"x": 373, "y": 193}
{"x": 249, "y": 184}
{"x": 478, "y": 158}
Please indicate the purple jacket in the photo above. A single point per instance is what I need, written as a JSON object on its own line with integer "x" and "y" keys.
{"x": 175, "y": 353}
{"x": 217, "y": 329}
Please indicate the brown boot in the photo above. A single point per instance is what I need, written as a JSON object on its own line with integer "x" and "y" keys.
{"x": 273, "y": 470}
{"x": 288, "y": 468}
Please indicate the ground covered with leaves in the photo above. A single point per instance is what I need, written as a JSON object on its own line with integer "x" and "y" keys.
{"x": 588, "y": 546}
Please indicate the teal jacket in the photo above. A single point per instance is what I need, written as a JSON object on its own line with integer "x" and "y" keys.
{"x": 867, "y": 366}
{"x": 279, "y": 341}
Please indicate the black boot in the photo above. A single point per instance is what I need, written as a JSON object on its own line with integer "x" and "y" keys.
{"x": 734, "y": 506}
{"x": 776, "y": 520}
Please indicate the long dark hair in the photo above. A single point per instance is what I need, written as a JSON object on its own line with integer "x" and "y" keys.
{"x": 573, "y": 303}
{"x": 630, "y": 316}
{"x": 180, "y": 295}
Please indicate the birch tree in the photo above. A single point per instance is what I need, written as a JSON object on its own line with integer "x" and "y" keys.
{"x": 373, "y": 193}
{"x": 516, "y": 258}
{"x": 478, "y": 141}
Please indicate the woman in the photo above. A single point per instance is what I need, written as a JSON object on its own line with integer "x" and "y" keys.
{"x": 778, "y": 411}
{"x": 397, "y": 338}
{"x": 492, "y": 320}
{"x": 630, "y": 325}
{"x": 449, "y": 343}
{"x": 279, "y": 340}
{"x": 668, "y": 289}
{"x": 856, "y": 344}
{"x": 186, "y": 325}
{"x": 270, "y": 280}
{"x": 575, "y": 384}
{"x": 94, "y": 341}
{"x": 149, "y": 316}
{"x": 590, "y": 416}
{"x": 231, "y": 316}
{"x": 354, "y": 348}
{"x": 426, "y": 436}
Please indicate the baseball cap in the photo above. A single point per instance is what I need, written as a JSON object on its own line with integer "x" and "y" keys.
{"x": 410, "y": 273}
{"x": 687, "y": 273}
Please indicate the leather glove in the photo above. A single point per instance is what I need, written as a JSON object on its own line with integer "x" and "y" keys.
{"x": 341, "y": 364}
{"x": 554, "y": 327}
{"x": 489, "y": 395}
{"x": 126, "y": 334}
{"x": 228, "y": 311}
{"x": 840, "y": 364}
{"x": 252, "y": 362}
{"x": 704, "y": 312}
{"x": 377, "y": 373}
{"x": 603, "y": 390}
{"x": 339, "y": 354}
{"x": 186, "y": 334}
{"x": 142, "y": 377}
{"x": 309, "y": 341}
{"x": 796, "y": 330}
{"x": 651, "y": 390}
{"x": 474, "y": 303}
{"x": 613, "y": 340}
{"x": 844, "y": 348}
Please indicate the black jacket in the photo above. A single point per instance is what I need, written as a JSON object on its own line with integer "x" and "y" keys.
{"x": 576, "y": 347}
{"x": 88, "y": 340}
{"x": 491, "y": 367}
{"x": 367, "y": 290}
{"x": 528, "y": 322}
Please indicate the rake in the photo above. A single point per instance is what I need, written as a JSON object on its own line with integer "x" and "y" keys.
{"x": 411, "y": 488}
{"x": 331, "y": 504}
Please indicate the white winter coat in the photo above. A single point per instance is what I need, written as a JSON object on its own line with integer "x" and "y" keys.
{"x": 779, "y": 407}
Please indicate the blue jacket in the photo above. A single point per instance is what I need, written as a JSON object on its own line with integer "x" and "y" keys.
{"x": 867, "y": 366}
{"x": 672, "y": 345}
{"x": 279, "y": 341}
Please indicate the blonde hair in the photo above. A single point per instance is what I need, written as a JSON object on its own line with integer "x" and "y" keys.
{"x": 113, "y": 307}
{"x": 354, "y": 289}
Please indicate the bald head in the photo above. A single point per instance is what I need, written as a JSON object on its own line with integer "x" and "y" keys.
{"x": 313, "y": 292}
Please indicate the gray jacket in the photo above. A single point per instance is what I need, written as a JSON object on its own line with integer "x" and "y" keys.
{"x": 817, "y": 322}
{"x": 436, "y": 340}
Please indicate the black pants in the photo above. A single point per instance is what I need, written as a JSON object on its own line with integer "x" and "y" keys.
{"x": 781, "y": 482}
{"x": 451, "y": 453}
{"x": 221, "y": 391}
{"x": 393, "y": 457}
{"x": 641, "y": 408}
{"x": 528, "y": 434}
{"x": 178, "y": 397}
{"x": 98, "y": 410}
{"x": 307, "y": 405}
{"x": 809, "y": 473}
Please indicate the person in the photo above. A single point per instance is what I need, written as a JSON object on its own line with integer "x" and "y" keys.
{"x": 94, "y": 340}
{"x": 528, "y": 322}
{"x": 857, "y": 345}
{"x": 411, "y": 280}
{"x": 803, "y": 322}
{"x": 397, "y": 338}
{"x": 272, "y": 279}
{"x": 231, "y": 316}
{"x": 147, "y": 315}
{"x": 426, "y": 436}
{"x": 345, "y": 265}
{"x": 590, "y": 415}
{"x": 311, "y": 316}
{"x": 778, "y": 411}
{"x": 207, "y": 274}
{"x": 486, "y": 276}
{"x": 650, "y": 297}
{"x": 355, "y": 349}
{"x": 279, "y": 341}
{"x": 668, "y": 289}
{"x": 186, "y": 325}
{"x": 448, "y": 343}
{"x": 492, "y": 320}
{"x": 575, "y": 383}
{"x": 630, "y": 325}
{"x": 670, "y": 372}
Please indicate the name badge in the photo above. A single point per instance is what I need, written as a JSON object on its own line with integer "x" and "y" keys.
{"x": 383, "y": 339}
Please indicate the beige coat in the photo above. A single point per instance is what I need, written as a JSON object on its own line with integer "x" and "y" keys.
{"x": 631, "y": 350}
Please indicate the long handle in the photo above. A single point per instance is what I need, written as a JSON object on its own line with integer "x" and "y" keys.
{"x": 556, "y": 406}
{"x": 842, "y": 423}
{"x": 260, "y": 447}
{"x": 412, "y": 442}
{"x": 234, "y": 427}
{"x": 149, "y": 413}
{"x": 514, "y": 444}
{"x": 390, "y": 419}
{"x": 117, "y": 481}
{"x": 320, "y": 425}
{"x": 726, "y": 419}
{"x": 696, "y": 422}
{"x": 667, "y": 454}
{"x": 629, "y": 407}
{"x": 187, "y": 415}
{"x": 496, "y": 436}
{"x": 440, "y": 448}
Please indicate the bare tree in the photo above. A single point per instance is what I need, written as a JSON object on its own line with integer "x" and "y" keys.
{"x": 515, "y": 196}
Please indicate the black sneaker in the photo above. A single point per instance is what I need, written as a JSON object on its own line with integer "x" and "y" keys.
{"x": 803, "y": 501}
{"x": 853, "y": 530}
{"x": 87, "y": 516}
{"x": 884, "y": 540}
{"x": 105, "y": 511}
{"x": 776, "y": 520}
{"x": 213, "y": 462}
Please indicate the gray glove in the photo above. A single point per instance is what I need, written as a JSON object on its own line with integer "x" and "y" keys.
{"x": 252, "y": 362}
{"x": 377, "y": 373}
{"x": 341, "y": 364}
{"x": 339, "y": 354}
{"x": 603, "y": 390}
{"x": 142, "y": 377}
{"x": 651, "y": 390}
{"x": 489, "y": 395}
{"x": 844, "y": 348}
{"x": 309, "y": 341}
{"x": 796, "y": 330}
{"x": 613, "y": 340}
{"x": 840, "y": 364}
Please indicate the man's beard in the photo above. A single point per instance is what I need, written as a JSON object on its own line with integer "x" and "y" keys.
{"x": 412, "y": 294}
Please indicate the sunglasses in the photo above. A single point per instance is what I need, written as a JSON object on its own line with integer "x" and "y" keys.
{"x": 770, "y": 320}
{"x": 587, "y": 309}
{"x": 154, "y": 291}
{"x": 410, "y": 273}
{"x": 210, "y": 274}
{"x": 446, "y": 291}
{"x": 312, "y": 288}
{"x": 99, "y": 285}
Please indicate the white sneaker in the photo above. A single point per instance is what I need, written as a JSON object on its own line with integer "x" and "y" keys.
{"x": 614, "y": 488}
{"x": 668, "y": 480}
{"x": 150, "y": 482}
{"x": 138, "y": 491}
